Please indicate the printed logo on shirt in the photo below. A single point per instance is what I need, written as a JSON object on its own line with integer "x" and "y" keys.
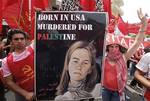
{"x": 28, "y": 72}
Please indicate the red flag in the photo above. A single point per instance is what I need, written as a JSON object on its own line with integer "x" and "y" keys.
{"x": 123, "y": 27}
{"x": 26, "y": 14}
{"x": 40, "y": 4}
{"x": 88, "y": 5}
{"x": 9, "y": 2}
{"x": 37, "y": 4}
{"x": 134, "y": 28}
{"x": 20, "y": 13}
{"x": 107, "y": 8}
{"x": 10, "y": 12}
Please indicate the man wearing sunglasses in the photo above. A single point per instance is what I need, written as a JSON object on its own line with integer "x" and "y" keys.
{"x": 18, "y": 66}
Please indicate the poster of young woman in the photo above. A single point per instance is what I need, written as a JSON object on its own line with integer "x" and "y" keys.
{"x": 69, "y": 51}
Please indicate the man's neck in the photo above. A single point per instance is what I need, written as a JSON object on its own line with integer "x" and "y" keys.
{"x": 18, "y": 51}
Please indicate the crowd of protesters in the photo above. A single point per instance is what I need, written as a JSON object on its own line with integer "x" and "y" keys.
{"x": 17, "y": 66}
{"x": 16, "y": 52}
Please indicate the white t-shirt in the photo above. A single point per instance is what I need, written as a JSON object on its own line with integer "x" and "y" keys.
{"x": 16, "y": 57}
{"x": 144, "y": 64}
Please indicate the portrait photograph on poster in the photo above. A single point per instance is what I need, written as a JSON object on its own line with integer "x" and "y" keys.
{"x": 69, "y": 53}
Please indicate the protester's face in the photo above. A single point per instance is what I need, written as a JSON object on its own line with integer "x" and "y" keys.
{"x": 79, "y": 65}
{"x": 18, "y": 41}
{"x": 113, "y": 48}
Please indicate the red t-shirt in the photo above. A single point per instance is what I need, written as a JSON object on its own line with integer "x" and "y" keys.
{"x": 110, "y": 76}
{"x": 23, "y": 70}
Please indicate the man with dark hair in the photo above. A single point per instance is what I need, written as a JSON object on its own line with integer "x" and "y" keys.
{"x": 18, "y": 66}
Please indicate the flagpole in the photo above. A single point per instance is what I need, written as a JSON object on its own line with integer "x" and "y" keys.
{"x": 30, "y": 13}
{"x": 20, "y": 13}
{"x": 30, "y": 10}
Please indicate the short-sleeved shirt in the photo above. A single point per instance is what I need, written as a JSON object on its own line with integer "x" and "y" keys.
{"x": 16, "y": 57}
{"x": 144, "y": 64}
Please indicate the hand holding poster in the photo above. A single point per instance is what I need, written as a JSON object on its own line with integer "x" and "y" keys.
{"x": 65, "y": 40}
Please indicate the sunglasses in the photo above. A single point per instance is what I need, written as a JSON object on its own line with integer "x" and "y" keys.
{"x": 17, "y": 39}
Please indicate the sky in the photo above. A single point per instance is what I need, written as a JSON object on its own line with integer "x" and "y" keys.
{"x": 130, "y": 9}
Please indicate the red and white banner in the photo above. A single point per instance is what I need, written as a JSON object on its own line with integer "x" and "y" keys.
{"x": 124, "y": 41}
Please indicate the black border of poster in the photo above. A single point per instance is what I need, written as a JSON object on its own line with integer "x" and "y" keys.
{"x": 55, "y": 32}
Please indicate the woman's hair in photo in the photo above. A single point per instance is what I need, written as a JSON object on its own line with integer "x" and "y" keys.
{"x": 90, "y": 78}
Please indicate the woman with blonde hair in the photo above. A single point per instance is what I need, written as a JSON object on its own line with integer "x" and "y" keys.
{"x": 79, "y": 74}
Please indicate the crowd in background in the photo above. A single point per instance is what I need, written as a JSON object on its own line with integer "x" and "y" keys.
{"x": 109, "y": 92}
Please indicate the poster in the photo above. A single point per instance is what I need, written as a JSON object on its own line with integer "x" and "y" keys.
{"x": 55, "y": 32}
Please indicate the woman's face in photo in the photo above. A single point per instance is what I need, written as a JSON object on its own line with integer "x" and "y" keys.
{"x": 79, "y": 65}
